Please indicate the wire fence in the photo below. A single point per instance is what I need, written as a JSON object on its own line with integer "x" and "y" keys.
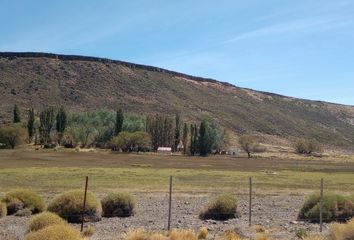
{"x": 253, "y": 200}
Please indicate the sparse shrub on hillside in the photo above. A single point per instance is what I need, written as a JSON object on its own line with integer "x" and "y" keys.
{"x": 12, "y": 135}
{"x": 19, "y": 199}
{"x": 307, "y": 147}
{"x": 55, "y": 232}
{"x": 222, "y": 207}
{"x": 335, "y": 208}
{"x": 69, "y": 205}
{"x": 3, "y": 210}
{"x": 43, "y": 220}
{"x": 118, "y": 205}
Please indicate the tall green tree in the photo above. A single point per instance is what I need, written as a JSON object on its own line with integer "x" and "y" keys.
{"x": 30, "y": 125}
{"x": 185, "y": 138}
{"x": 61, "y": 122}
{"x": 209, "y": 138}
{"x": 177, "y": 137}
{"x": 161, "y": 131}
{"x": 46, "y": 124}
{"x": 17, "y": 114}
{"x": 119, "y": 122}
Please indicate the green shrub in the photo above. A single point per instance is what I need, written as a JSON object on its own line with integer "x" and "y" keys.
{"x": 335, "y": 208}
{"x": 3, "y": 210}
{"x": 69, "y": 205}
{"x": 55, "y": 232}
{"x": 43, "y": 220}
{"x": 19, "y": 199}
{"x": 221, "y": 208}
{"x": 118, "y": 205}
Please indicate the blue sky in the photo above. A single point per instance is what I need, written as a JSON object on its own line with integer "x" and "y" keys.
{"x": 302, "y": 48}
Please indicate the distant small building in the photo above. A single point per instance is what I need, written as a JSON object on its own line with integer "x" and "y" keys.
{"x": 233, "y": 151}
{"x": 164, "y": 150}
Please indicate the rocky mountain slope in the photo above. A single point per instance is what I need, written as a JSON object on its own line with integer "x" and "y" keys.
{"x": 87, "y": 83}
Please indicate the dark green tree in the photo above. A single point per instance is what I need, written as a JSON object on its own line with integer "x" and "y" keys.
{"x": 185, "y": 138}
{"x": 46, "y": 124}
{"x": 203, "y": 138}
{"x": 17, "y": 114}
{"x": 61, "y": 122}
{"x": 119, "y": 122}
{"x": 191, "y": 146}
{"x": 177, "y": 137}
{"x": 30, "y": 124}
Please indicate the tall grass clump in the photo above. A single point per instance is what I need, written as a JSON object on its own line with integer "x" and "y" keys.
{"x": 342, "y": 231}
{"x": 335, "y": 208}
{"x": 55, "y": 232}
{"x": 44, "y": 220}
{"x": 19, "y": 199}
{"x": 118, "y": 205}
{"x": 222, "y": 207}
{"x": 3, "y": 210}
{"x": 69, "y": 205}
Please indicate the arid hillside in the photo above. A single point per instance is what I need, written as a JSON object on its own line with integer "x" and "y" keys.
{"x": 85, "y": 83}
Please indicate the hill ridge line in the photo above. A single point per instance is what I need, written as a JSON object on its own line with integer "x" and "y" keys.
{"x": 107, "y": 60}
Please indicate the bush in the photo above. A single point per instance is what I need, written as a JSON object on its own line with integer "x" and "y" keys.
{"x": 338, "y": 231}
{"x": 12, "y": 135}
{"x": 129, "y": 142}
{"x": 19, "y": 199}
{"x": 43, "y": 220}
{"x": 118, "y": 205}
{"x": 221, "y": 208}
{"x": 307, "y": 147}
{"x": 335, "y": 208}
{"x": 3, "y": 210}
{"x": 69, "y": 205}
{"x": 55, "y": 232}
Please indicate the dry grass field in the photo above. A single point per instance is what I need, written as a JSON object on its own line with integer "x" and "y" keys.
{"x": 53, "y": 171}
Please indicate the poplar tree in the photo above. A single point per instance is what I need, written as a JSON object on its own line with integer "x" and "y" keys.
{"x": 46, "y": 124}
{"x": 191, "y": 146}
{"x": 185, "y": 138}
{"x": 17, "y": 114}
{"x": 177, "y": 137}
{"x": 61, "y": 122}
{"x": 119, "y": 122}
{"x": 30, "y": 124}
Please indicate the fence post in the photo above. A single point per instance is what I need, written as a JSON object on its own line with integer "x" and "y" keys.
{"x": 84, "y": 206}
{"x": 321, "y": 206}
{"x": 250, "y": 203}
{"x": 169, "y": 206}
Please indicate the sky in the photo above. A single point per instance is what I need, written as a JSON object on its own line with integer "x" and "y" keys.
{"x": 302, "y": 48}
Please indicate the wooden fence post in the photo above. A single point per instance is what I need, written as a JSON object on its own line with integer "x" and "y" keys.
{"x": 169, "y": 206}
{"x": 84, "y": 206}
{"x": 250, "y": 203}
{"x": 321, "y": 205}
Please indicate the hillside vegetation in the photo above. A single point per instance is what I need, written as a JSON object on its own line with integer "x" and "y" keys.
{"x": 84, "y": 83}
